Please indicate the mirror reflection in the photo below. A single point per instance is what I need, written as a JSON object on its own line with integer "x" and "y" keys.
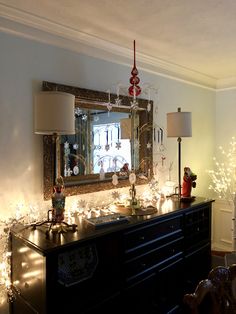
{"x": 102, "y": 144}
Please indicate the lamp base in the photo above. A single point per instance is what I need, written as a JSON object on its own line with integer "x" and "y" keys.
{"x": 174, "y": 196}
{"x": 54, "y": 226}
{"x": 187, "y": 199}
{"x": 181, "y": 198}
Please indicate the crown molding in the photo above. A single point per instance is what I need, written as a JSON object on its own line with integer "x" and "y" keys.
{"x": 29, "y": 26}
{"x": 226, "y": 84}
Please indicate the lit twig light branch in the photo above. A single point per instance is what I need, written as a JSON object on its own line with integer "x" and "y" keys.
{"x": 224, "y": 174}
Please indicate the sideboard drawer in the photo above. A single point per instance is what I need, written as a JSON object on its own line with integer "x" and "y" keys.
{"x": 197, "y": 228}
{"x": 200, "y": 216}
{"x": 153, "y": 258}
{"x": 138, "y": 237}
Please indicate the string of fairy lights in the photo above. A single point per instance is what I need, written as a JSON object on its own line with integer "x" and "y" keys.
{"x": 27, "y": 214}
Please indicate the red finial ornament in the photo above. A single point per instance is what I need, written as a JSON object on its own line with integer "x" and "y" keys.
{"x": 134, "y": 89}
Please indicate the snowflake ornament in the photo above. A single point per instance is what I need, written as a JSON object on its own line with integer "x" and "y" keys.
{"x": 118, "y": 101}
{"x": 118, "y": 145}
{"x": 149, "y": 107}
{"x": 115, "y": 195}
{"x": 149, "y": 145}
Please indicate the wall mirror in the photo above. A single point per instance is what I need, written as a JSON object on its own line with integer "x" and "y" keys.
{"x": 107, "y": 140}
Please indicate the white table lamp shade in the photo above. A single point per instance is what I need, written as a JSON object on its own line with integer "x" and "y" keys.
{"x": 179, "y": 124}
{"x": 54, "y": 113}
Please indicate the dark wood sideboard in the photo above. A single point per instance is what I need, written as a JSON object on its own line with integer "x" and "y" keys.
{"x": 145, "y": 265}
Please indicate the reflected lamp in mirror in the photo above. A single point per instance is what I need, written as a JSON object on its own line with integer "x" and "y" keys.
{"x": 125, "y": 126}
{"x": 54, "y": 115}
{"x": 179, "y": 124}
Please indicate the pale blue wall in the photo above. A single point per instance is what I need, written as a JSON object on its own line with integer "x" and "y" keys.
{"x": 225, "y": 116}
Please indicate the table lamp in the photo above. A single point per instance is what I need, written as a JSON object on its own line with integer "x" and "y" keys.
{"x": 54, "y": 115}
{"x": 179, "y": 124}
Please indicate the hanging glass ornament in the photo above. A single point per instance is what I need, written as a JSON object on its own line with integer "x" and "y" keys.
{"x": 96, "y": 117}
{"x": 118, "y": 101}
{"x": 107, "y": 146}
{"x": 132, "y": 178}
{"x": 149, "y": 107}
{"x": 99, "y": 147}
{"x": 115, "y": 179}
{"x": 134, "y": 89}
{"x": 109, "y": 104}
{"x": 118, "y": 143}
{"x": 76, "y": 170}
{"x": 102, "y": 172}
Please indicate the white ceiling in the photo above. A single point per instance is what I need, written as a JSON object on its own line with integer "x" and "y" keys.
{"x": 193, "y": 40}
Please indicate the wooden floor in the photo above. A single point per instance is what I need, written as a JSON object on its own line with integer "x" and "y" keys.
{"x": 218, "y": 258}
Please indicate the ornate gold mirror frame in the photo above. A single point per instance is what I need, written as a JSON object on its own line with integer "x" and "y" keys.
{"x": 91, "y": 183}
